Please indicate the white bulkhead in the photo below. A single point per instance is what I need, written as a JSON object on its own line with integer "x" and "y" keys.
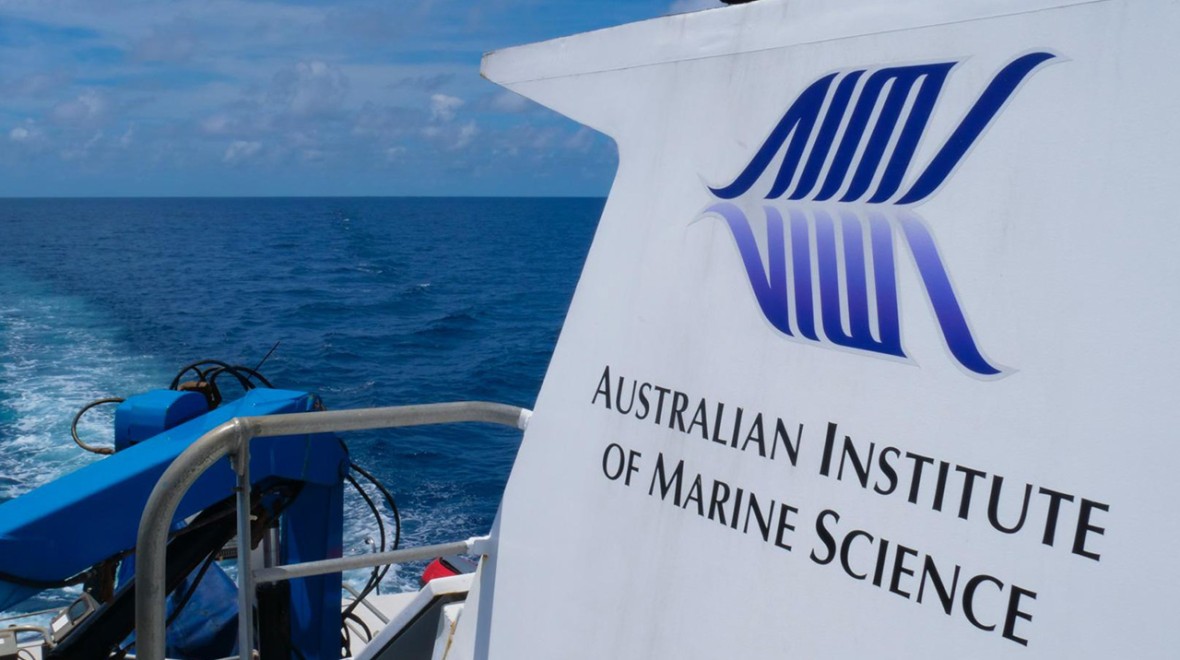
{"x": 873, "y": 351}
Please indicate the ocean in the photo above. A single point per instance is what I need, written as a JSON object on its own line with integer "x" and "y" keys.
{"x": 372, "y": 302}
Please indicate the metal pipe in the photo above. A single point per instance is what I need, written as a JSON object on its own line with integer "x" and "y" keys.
{"x": 241, "y": 461}
{"x": 45, "y": 633}
{"x": 356, "y": 595}
{"x": 324, "y": 566}
{"x": 152, "y": 538}
{"x": 360, "y": 419}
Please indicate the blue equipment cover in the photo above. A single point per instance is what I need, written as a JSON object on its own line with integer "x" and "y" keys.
{"x": 71, "y": 523}
{"x": 147, "y": 415}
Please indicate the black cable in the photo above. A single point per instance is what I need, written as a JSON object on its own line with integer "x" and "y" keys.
{"x": 242, "y": 374}
{"x": 364, "y": 626}
{"x": 194, "y": 367}
{"x": 207, "y": 517}
{"x": 192, "y": 589}
{"x": 106, "y": 451}
{"x": 346, "y": 634}
{"x": 47, "y": 584}
{"x": 253, "y": 373}
{"x": 242, "y": 380}
{"x": 266, "y": 357}
{"x": 372, "y": 507}
{"x": 392, "y": 506}
{"x": 397, "y": 518}
{"x": 203, "y": 520}
{"x": 375, "y": 577}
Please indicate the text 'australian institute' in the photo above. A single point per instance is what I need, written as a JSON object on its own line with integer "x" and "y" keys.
{"x": 1027, "y": 515}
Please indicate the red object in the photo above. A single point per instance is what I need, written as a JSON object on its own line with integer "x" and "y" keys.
{"x": 437, "y": 569}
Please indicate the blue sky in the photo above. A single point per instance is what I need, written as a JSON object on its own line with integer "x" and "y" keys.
{"x": 237, "y": 97}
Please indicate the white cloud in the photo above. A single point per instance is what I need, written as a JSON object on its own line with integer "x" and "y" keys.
{"x": 443, "y": 107}
{"x": 173, "y": 42}
{"x": 89, "y": 106}
{"x": 241, "y": 150}
{"x": 466, "y": 133}
{"x": 304, "y": 139}
{"x": 582, "y": 140}
{"x": 26, "y": 135}
{"x": 310, "y": 89}
{"x": 83, "y": 151}
{"x": 451, "y": 135}
{"x": 218, "y": 124}
{"x": 684, "y": 6}
{"x": 265, "y": 82}
{"x": 37, "y": 84}
{"x": 510, "y": 102}
{"x": 423, "y": 82}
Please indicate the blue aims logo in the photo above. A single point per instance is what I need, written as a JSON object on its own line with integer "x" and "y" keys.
{"x": 838, "y": 206}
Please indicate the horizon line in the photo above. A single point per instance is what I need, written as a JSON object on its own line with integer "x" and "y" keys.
{"x": 130, "y": 197}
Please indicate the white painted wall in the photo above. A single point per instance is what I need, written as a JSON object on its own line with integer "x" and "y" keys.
{"x": 1058, "y": 232}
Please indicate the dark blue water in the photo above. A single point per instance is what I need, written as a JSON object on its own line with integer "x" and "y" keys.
{"x": 375, "y": 302}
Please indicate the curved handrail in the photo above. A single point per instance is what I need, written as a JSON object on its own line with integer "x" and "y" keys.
{"x": 234, "y": 437}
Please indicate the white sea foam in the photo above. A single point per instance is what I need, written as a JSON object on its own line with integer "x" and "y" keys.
{"x": 445, "y": 521}
{"x": 57, "y": 354}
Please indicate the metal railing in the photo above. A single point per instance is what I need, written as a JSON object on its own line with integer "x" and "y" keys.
{"x": 233, "y": 439}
